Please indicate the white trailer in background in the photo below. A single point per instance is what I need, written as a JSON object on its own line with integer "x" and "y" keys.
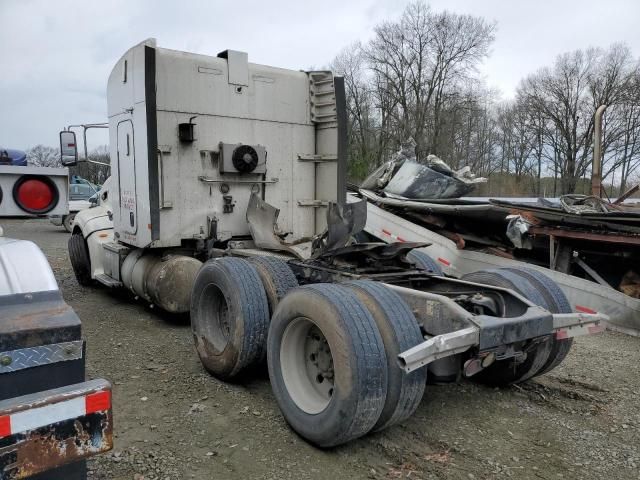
{"x": 227, "y": 200}
{"x": 584, "y": 295}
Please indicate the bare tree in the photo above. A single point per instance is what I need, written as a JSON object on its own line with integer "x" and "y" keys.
{"x": 520, "y": 139}
{"x": 363, "y": 125}
{"x": 95, "y": 173}
{"x": 43, "y": 156}
{"x": 468, "y": 129}
{"x": 419, "y": 60}
{"x": 417, "y": 78}
{"x": 567, "y": 95}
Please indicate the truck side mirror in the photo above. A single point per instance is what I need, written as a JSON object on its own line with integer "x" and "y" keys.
{"x": 68, "y": 148}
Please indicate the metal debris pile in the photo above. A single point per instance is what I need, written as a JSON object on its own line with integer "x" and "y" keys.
{"x": 405, "y": 177}
{"x": 576, "y": 234}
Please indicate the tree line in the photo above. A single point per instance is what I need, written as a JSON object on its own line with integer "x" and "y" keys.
{"x": 44, "y": 156}
{"x": 418, "y": 77}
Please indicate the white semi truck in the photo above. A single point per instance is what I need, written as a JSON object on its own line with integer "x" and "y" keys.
{"x": 227, "y": 200}
{"x": 51, "y": 419}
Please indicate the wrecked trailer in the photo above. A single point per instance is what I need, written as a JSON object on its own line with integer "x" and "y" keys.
{"x": 580, "y": 235}
{"x": 592, "y": 255}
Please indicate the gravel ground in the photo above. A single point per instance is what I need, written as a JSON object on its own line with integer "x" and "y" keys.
{"x": 174, "y": 421}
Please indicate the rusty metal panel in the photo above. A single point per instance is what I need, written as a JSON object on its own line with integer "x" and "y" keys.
{"x": 34, "y": 319}
{"x": 82, "y": 426}
{"x": 603, "y": 237}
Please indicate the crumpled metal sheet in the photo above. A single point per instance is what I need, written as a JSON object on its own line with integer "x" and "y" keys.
{"x": 416, "y": 181}
{"x": 263, "y": 225}
{"x": 581, "y": 204}
{"x": 517, "y": 232}
{"x": 403, "y": 176}
{"x": 343, "y": 221}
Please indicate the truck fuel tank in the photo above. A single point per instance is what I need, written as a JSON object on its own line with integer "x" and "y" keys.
{"x": 165, "y": 281}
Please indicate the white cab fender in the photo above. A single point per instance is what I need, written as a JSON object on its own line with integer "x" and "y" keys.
{"x": 97, "y": 229}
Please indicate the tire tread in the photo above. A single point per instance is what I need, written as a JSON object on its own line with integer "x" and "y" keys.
{"x": 239, "y": 275}
{"x": 80, "y": 261}
{"x": 425, "y": 262}
{"x": 557, "y": 303}
{"x": 507, "y": 372}
{"x": 407, "y": 335}
{"x": 255, "y": 312}
{"x": 341, "y": 315}
{"x": 370, "y": 357}
{"x": 280, "y": 275}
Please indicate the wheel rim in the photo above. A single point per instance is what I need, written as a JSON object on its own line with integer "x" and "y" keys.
{"x": 68, "y": 222}
{"x": 216, "y": 324}
{"x": 307, "y": 365}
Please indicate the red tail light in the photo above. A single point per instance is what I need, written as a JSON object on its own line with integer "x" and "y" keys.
{"x": 35, "y": 194}
{"x": 98, "y": 402}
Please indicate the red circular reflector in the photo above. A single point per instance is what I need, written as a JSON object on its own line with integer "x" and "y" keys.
{"x": 35, "y": 195}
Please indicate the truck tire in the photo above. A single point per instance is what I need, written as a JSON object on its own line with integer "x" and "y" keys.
{"x": 277, "y": 278}
{"x": 424, "y": 262}
{"x": 67, "y": 222}
{"x": 229, "y": 316}
{"x": 557, "y": 302}
{"x": 80, "y": 260}
{"x": 505, "y": 372}
{"x": 399, "y": 331}
{"x": 327, "y": 364}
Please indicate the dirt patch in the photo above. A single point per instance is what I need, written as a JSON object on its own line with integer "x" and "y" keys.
{"x": 174, "y": 421}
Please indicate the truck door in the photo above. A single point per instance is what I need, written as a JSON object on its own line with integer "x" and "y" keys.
{"x": 127, "y": 177}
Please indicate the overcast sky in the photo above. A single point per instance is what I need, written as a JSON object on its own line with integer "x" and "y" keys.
{"x": 55, "y": 56}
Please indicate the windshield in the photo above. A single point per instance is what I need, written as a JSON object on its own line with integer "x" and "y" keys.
{"x": 80, "y": 191}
